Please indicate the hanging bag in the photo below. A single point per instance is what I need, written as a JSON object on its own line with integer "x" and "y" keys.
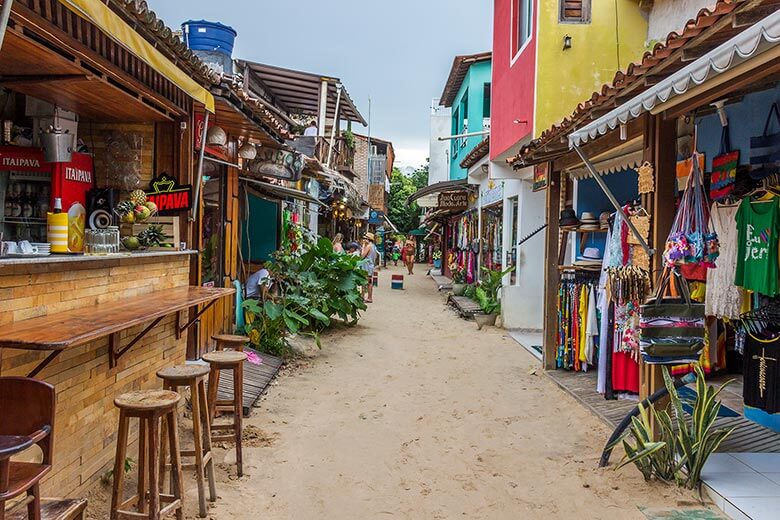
{"x": 672, "y": 325}
{"x": 765, "y": 148}
{"x": 724, "y": 169}
{"x": 691, "y": 245}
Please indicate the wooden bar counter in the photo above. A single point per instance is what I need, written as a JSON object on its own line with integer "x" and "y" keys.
{"x": 42, "y": 301}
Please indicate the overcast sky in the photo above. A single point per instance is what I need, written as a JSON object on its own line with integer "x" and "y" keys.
{"x": 399, "y": 53}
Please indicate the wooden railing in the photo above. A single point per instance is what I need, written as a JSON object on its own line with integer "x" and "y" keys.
{"x": 342, "y": 157}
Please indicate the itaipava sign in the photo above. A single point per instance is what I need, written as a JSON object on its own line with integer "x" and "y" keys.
{"x": 168, "y": 195}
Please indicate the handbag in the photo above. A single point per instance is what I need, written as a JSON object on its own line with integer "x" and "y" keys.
{"x": 724, "y": 169}
{"x": 671, "y": 324}
{"x": 765, "y": 148}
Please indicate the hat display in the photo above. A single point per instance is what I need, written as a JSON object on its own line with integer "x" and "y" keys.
{"x": 590, "y": 257}
{"x": 568, "y": 218}
{"x": 589, "y": 222}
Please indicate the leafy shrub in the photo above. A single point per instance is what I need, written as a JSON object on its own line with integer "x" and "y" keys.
{"x": 315, "y": 285}
{"x": 684, "y": 444}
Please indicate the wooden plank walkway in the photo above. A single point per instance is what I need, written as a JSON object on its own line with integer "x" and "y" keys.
{"x": 256, "y": 380}
{"x": 747, "y": 436}
{"x": 466, "y": 307}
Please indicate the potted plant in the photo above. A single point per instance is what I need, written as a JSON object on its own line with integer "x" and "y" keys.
{"x": 437, "y": 259}
{"x": 458, "y": 280}
{"x": 487, "y": 296}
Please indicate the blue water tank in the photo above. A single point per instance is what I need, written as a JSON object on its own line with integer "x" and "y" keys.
{"x": 202, "y": 35}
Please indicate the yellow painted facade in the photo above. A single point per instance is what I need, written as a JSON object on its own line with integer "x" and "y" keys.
{"x": 615, "y": 37}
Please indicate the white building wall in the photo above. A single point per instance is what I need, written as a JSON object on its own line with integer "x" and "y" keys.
{"x": 671, "y": 16}
{"x": 439, "y": 151}
{"x": 522, "y": 303}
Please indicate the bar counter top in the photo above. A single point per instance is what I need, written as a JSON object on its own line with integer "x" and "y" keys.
{"x": 78, "y": 258}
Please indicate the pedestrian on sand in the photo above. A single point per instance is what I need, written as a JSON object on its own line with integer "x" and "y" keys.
{"x": 410, "y": 250}
{"x": 369, "y": 254}
{"x": 338, "y": 247}
{"x": 396, "y": 253}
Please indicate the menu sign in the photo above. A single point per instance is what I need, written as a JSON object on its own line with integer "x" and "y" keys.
{"x": 279, "y": 164}
{"x": 453, "y": 200}
{"x": 169, "y": 196}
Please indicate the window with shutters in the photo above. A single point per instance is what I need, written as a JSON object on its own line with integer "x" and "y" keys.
{"x": 575, "y": 11}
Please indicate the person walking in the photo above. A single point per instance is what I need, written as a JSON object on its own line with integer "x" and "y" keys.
{"x": 396, "y": 253}
{"x": 410, "y": 250}
{"x": 369, "y": 254}
{"x": 338, "y": 246}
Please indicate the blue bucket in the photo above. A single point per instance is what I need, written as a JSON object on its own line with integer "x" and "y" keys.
{"x": 202, "y": 35}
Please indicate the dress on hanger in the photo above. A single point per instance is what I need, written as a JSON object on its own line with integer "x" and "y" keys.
{"x": 723, "y": 298}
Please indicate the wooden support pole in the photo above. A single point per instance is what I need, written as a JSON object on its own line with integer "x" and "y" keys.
{"x": 551, "y": 275}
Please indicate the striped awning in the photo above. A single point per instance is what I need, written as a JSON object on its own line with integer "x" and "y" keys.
{"x": 100, "y": 15}
{"x": 758, "y": 40}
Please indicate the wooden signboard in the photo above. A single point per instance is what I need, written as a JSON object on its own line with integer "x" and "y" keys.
{"x": 454, "y": 200}
{"x": 376, "y": 196}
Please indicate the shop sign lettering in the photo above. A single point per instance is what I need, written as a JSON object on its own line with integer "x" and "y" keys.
{"x": 78, "y": 175}
{"x": 168, "y": 195}
{"x": 453, "y": 200}
{"x": 540, "y": 177}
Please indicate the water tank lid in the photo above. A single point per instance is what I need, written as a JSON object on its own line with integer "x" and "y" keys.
{"x": 206, "y": 23}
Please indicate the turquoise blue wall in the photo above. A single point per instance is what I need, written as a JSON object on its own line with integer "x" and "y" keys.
{"x": 471, "y": 94}
{"x": 262, "y": 230}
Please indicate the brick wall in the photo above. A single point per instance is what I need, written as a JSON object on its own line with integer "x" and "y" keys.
{"x": 361, "y": 166}
{"x": 86, "y": 421}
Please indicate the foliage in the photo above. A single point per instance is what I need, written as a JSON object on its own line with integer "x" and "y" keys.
{"x": 437, "y": 255}
{"x": 458, "y": 274}
{"x": 470, "y": 291}
{"x": 405, "y": 216}
{"x": 683, "y": 444}
{"x": 349, "y": 138}
{"x": 314, "y": 286}
{"x": 487, "y": 292}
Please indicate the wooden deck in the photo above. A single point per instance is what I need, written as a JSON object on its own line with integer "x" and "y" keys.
{"x": 466, "y": 307}
{"x": 256, "y": 380}
{"x": 747, "y": 437}
{"x": 442, "y": 282}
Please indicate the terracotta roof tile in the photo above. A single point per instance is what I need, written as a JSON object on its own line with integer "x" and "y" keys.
{"x": 478, "y": 152}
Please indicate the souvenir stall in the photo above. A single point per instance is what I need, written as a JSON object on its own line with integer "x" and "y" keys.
{"x": 603, "y": 280}
{"x": 462, "y": 244}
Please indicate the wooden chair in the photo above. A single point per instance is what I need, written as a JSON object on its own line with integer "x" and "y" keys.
{"x": 149, "y": 407}
{"x": 27, "y": 408}
{"x": 193, "y": 376}
{"x": 227, "y": 360}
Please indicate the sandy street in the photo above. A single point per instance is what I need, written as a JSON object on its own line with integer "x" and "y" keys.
{"x": 414, "y": 414}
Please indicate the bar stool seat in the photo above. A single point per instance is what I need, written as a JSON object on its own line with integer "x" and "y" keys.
{"x": 227, "y": 360}
{"x": 150, "y": 407}
{"x": 183, "y": 372}
{"x": 224, "y": 358}
{"x": 193, "y": 376}
{"x": 230, "y": 341}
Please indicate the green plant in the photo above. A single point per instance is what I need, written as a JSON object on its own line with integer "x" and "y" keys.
{"x": 683, "y": 444}
{"x": 470, "y": 291}
{"x": 487, "y": 292}
{"x": 315, "y": 285}
{"x": 152, "y": 236}
{"x": 458, "y": 275}
{"x": 349, "y": 139}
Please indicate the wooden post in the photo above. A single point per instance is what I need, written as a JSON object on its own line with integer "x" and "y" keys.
{"x": 661, "y": 151}
{"x": 551, "y": 275}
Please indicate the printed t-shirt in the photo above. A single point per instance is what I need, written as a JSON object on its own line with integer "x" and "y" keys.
{"x": 758, "y": 226}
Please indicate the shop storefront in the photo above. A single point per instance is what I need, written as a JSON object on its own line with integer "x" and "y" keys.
{"x": 81, "y": 307}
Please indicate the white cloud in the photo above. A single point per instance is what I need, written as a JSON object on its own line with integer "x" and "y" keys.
{"x": 414, "y": 157}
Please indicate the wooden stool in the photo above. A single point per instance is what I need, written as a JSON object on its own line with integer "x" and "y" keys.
{"x": 227, "y": 360}
{"x": 149, "y": 406}
{"x": 194, "y": 376}
{"x": 230, "y": 341}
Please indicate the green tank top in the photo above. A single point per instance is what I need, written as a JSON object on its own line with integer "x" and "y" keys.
{"x": 758, "y": 226}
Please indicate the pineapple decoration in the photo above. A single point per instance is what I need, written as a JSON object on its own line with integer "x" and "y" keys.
{"x": 137, "y": 208}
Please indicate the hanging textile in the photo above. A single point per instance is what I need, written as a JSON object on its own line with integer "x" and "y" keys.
{"x": 577, "y": 321}
{"x": 724, "y": 297}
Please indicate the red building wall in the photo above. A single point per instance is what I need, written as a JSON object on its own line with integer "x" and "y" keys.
{"x": 513, "y": 80}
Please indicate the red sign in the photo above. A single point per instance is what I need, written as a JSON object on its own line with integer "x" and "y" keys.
{"x": 22, "y": 159}
{"x": 168, "y": 195}
{"x": 71, "y": 181}
{"x": 216, "y": 151}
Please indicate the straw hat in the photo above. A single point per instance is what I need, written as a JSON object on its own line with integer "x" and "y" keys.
{"x": 369, "y": 236}
{"x": 591, "y": 256}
